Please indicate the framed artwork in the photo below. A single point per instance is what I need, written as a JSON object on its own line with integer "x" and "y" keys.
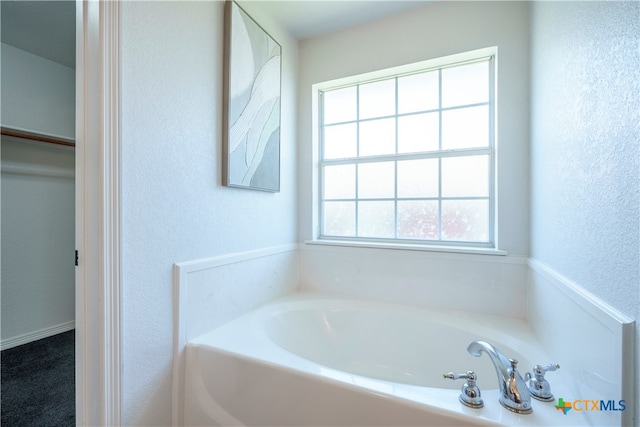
{"x": 251, "y": 112}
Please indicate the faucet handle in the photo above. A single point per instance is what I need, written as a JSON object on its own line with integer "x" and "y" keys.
{"x": 541, "y": 370}
{"x": 539, "y": 386}
{"x": 469, "y": 393}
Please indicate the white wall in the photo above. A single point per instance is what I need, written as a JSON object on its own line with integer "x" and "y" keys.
{"x": 174, "y": 206}
{"x": 38, "y": 95}
{"x": 437, "y": 30}
{"x": 38, "y": 193}
{"x": 585, "y": 181}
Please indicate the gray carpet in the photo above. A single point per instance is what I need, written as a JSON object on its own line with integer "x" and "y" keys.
{"x": 38, "y": 383}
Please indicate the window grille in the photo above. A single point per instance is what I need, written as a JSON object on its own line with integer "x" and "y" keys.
{"x": 410, "y": 157}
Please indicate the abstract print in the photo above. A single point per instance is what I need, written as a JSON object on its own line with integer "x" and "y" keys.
{"x": 253, "y": 134}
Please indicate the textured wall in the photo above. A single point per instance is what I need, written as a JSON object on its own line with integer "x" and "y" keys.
{"x": 174, "y": 206}
{"x": 585, "y": 130}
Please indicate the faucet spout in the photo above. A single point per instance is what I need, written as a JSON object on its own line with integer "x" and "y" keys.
{"x": 514, "y": 394}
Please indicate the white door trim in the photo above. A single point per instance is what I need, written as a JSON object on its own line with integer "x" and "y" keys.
{"x": 98, "y": 214}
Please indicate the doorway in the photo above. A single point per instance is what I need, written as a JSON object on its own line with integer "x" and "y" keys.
{"x": 38, "y": 210}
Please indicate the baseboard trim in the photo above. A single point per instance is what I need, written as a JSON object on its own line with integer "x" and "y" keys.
{"x": 37, "y": 335}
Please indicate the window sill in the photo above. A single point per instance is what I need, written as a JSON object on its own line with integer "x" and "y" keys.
{"x": 409, "y": 247}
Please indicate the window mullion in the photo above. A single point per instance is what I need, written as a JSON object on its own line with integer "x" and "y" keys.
{"x": 492, "y": 159}
{"x": 409, "y": 156}
{"x": 440, "y": 158}
{"x": 395, "y": 168}
{"x": 321, "y": 165}
{"x": 357, "y": 205}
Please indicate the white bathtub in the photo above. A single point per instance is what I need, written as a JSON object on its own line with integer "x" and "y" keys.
{"x": 316, "y": 360}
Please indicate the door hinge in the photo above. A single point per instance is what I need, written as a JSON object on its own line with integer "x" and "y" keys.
{"x": 76, "y": 257}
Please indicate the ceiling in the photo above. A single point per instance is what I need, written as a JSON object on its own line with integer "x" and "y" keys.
{"x": 309, "y": 18}
{"x": 44, "y": 28}
{"x": 47, "y": 28}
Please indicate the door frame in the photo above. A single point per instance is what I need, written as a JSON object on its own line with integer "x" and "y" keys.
{"x": 98, "y": 214}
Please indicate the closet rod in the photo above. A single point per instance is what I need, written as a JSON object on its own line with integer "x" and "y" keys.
{"x": 37, "y": 137}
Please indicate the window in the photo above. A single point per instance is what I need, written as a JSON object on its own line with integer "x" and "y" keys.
{"x": 410, "y": 157}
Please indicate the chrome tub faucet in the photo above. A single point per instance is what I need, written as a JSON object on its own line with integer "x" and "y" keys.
{"x": 514, "y": 393}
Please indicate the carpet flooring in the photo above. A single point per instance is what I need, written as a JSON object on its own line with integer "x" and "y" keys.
{"x": 38, "y": 383}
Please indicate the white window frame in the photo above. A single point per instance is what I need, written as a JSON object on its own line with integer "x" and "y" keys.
{"x": 489, "y": 246}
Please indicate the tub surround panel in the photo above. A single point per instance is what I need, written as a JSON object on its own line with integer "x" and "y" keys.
{"x": 216, "y": 290}
{"x": 588, "y": 338}
{"x": 210, "y": 292}
{"x": 462, "y": 282}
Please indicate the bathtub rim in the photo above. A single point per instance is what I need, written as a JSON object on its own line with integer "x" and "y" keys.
{"x": 495, "y": 414}
{"x": 272, "y": 352}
